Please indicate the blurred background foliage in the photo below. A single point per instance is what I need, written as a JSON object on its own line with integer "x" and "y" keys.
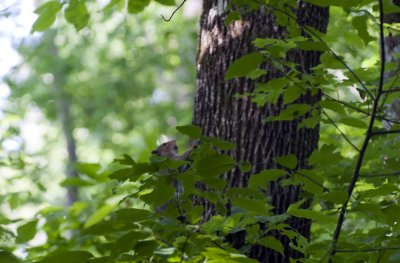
{"x": 117, "y": 86}
{"x": 121, "y": 84}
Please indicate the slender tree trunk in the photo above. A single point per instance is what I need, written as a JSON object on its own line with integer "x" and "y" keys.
{"x": 219, "y": 113}
{"x": 63, "y": 102}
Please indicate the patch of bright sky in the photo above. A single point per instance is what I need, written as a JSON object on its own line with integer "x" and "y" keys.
{"x": 16, "y": 19}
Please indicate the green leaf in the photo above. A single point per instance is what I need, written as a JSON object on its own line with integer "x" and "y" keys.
{"x": 133, "y": 214}
{"x": 76, "y": 181}
{"x": 289, "y": 161}
{"x": 166, "y": 2}
{"x": 273, "y": 243}
{"x": 99, "y": 215}
{"x": 326, "y": 155}
{"x": 291, "y": 94}
{"x": 245, "y": 167}
{"x": 221, "y": 144}
{"x": 77, "y": 14}
{"x": 292, "y": 112}
{"x": 7, "y": 257}
{"x": 244, "y": 65}
{"x": 380, "y": 191}
{"x": 333, "y": 106}
{"x": 145, "y": 248}
{"x": 360, "y": 23}
{"x": 311, "y": 45}
{"x": 262, "y": 179}
{"x": 67, "y": 257}
{"x": 126, "y": 242}
{"x": 27, "y": 231}
{"x": 336, "y": 197}
{"x": 232, "y": 16}
{"x": 137, "y": 6}
{"x": 47, "y": 15}
{"x": 251, "y": 205}
{"x": 89, "y": 169}
{"x": 353, "y": 122}
{"x": 310, "y": 214}
{"x": 214, "y": 165}
{"x": 192, "y": 131}
{"x": 122, "y": 174}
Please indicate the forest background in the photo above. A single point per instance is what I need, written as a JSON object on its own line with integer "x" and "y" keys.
{"x": 86, "y": 91}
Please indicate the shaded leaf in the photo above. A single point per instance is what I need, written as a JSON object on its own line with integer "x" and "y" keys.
{"x": 67, "y": 257}
{"x": 137, "y": 6}
{"x": 262, "y": 179}
{"x": 7, "y": 257}
{"x": 273, "y": 243}
{"x": 27, "y": 231}
{"x": 244, "y": 65}
{"x": 192, "y": 131}
{"x": 214, "y": 165}
{"x": 289, "y": 161}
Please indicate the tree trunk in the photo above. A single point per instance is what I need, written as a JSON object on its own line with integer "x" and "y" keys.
{"x": 63, "y": 102}
{"x": 219, "y": 113}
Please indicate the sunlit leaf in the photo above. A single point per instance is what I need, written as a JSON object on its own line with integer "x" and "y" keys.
{"x": 47, "y": 15}
{"x": 99, "y": 215}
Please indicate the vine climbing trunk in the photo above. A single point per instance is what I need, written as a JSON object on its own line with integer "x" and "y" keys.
{"x": 221, "y": 114}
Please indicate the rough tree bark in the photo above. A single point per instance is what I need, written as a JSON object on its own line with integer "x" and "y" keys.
{"x": 240, "y": 121}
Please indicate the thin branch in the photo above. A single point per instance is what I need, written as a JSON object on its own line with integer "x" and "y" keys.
{"x": 374, "y": 133}
{"x": 173, "y": 13}
{"x": 390, "y": 91}
{"x": 381, "y": 118}
{"x": 5, "y": 9}
{"x": 322, "y": 41}
{"x": 381, "y": 175}
{"x": 341, "y": 132}
{"x": 367, "y": 249}
{"x": 391, "y": 88}
{"x": 360, "y": 158}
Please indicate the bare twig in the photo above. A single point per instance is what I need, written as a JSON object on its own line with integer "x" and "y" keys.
{"x": 368, "y": 135}
{"x": 5, "y": 9}
{"x": 173, "y": 13}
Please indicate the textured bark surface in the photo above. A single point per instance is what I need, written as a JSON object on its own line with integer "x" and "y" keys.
{"x": 220, "y": 114}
